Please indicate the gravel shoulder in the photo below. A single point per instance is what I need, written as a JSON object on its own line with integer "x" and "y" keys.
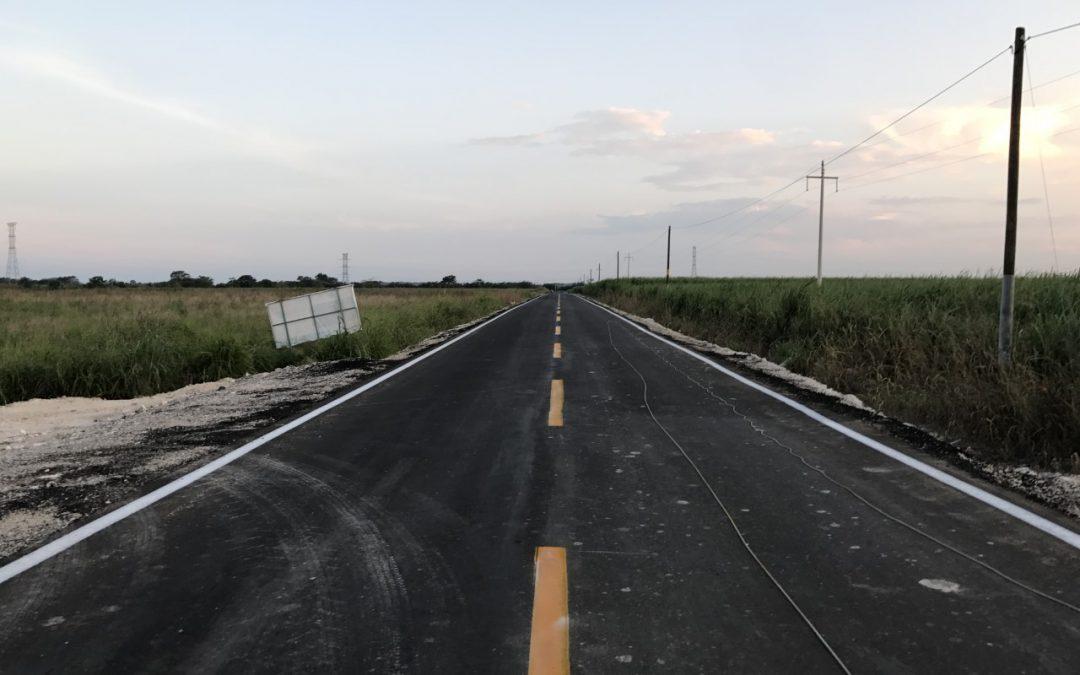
{"x": 63, "y": 460}
{"x": 1058, "y": 490}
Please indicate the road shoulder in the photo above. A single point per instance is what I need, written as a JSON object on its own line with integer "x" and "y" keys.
{"x": 64, "y": 461}
{"x": 1058, "y": 491}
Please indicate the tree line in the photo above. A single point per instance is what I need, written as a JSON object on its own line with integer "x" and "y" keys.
{"x": 181, "y": 279}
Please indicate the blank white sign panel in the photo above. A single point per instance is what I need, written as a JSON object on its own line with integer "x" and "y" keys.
{"x": 313, "y": 316}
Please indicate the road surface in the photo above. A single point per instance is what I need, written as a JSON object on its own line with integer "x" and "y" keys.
{"x": 398, "y": 532}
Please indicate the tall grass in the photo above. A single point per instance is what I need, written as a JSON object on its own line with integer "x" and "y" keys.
{"x": 120, "y": 343}
{"x": 920, "y": 349}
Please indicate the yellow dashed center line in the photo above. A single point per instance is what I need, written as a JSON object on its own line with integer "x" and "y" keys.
{"x": 555, "y": 411}
{"x": 558, "y": 330}
{"x": 557, "y": 352}
{"x": 549, "y": 646}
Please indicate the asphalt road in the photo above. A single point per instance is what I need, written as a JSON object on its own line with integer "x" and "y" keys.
{"x": 396, "y": 533}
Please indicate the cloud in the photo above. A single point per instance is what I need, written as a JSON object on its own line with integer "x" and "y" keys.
{"x": 592, "y": 127}
{"x": 678, "y": 215}
{"x": 696, "y": 161}
{"x": 521, "y": 139}
{"x": 614, "y": 122}
{"x": 61, "y": 69}
{"x": 965, "y": 130}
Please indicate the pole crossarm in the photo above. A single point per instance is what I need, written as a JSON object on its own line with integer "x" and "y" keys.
{"x": 823, "y": 178}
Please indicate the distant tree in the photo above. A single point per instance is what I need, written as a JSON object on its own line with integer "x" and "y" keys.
{"x": 179, "y": 278}
{"x": 266, "y": 283}
{"x": 325, "y": 280}
{"x": 200, "y": 282}
{"x": 448, "y": 280}
{"x": 243, "y": 281}
{"x": 96, "y": 282}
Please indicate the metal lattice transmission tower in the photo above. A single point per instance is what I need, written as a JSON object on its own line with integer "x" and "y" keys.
{"x": 12, "y": 259}
{"x": 344, "y": 268}
{"x": 693, "y": 261}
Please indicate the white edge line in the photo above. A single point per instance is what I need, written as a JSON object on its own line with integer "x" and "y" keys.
{"x": 61, "y": 544}
{"x": 1049, "y": 527}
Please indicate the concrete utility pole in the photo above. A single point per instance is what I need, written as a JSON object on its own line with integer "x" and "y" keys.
{"x": 821, "y": 213}
{"x": 667, "y": 274}
{"x": 628, "y": 259}
{"x": 693, "y": 262}
{"x": 617, "y": 265}
{"x": 344, "y": 268}
{"x": 1008, "y": 269}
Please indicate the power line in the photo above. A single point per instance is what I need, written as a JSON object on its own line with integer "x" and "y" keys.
{"x": 751, "y": 223}
{"x": 744, "y": 207}
{"x": 915, "y": 159}
{"x": 1042, "y": 166}
{"x": 912, "y": 173}
{"x": 651, "y": 242}
{"x": 921, "y": 105}
{"x": 776, "y": 224}
{"x": 1048, "y": 32}
{"x": 988, "y": 103}
{"x": 875, "y": 134}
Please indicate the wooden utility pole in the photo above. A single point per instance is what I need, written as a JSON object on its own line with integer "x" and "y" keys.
{"x": 667, "y": 275}
{"x": 821, "y": 213}
{"x": 1008, "y": 269}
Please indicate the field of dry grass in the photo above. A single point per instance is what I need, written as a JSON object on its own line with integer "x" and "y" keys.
{"x": 126, "y": 342}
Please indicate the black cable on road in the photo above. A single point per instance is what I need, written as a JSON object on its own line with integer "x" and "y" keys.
{"x": 727, "y": 514}
{"x": 760, "y": 431}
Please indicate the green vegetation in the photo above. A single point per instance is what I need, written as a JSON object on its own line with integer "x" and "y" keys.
{"x": 922, "y": 349}
{"x": 126, "y": 342}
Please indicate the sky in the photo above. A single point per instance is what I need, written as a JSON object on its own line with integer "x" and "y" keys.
{"x": 510, "y": 140}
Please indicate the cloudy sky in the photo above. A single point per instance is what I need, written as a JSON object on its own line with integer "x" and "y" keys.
{"x": 528, "y": 140}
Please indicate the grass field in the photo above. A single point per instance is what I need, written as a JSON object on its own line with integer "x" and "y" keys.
{"x": 920, "y": 349}
{"x": 121, "y": 343}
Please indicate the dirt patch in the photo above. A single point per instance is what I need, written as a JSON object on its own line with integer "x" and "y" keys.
{"x": 64, "y": 459}
{"x": 1059, "y": 490}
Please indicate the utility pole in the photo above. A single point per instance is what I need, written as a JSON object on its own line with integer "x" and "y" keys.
{"x": 598, "y": 271}
{"x": 1008, "y": 269}
{"x": 693, "y": 262}
{"x": 344, "y": 268}
{"x": 628, "y": 259}
{"x": 821, "y": 213}
{"x": 667, "y": 274}
{"x": 12, "y": 258}
{"x": 590, "y": 275}
{"x": 617, "y": 264}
